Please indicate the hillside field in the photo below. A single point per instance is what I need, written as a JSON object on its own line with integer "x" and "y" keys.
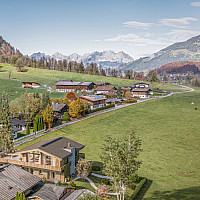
{"x": 169, "y": 130}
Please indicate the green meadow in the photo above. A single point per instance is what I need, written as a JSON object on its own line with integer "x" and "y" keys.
{"x": 168, "y": 127}
{"x": 169, "y": 130}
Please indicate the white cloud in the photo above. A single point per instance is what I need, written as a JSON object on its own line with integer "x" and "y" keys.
{"x": 97, "y": 40}
{"x": 181, "y": 35}
{"x": 179, "y": 22}
{"x": 137, "y": 40}
{"x": 135, "y": 24}
{"x": 195, "y": 4}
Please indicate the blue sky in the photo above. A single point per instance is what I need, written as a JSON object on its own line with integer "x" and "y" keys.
{"x": 137, "y": 27}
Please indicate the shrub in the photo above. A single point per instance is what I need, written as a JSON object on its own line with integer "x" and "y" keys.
{"x": 134, "y": 178}
{"x": 105, "y": 181}
{"x": 138, "y": 188}
{"x": 66, "y": 117}
{"x": 44, "y": 180}
{"x": 96, "y": 168}
{"x": 130, "y": 101}
{"x": 102, "y": 108}
{"x": 72, "y": 184}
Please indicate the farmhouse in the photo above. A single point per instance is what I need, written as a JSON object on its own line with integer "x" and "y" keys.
{"x": 30, "y": 85}
{"x": 70, "y": 86}
{"x": 21, "y": 125}
{"x": 104, "y": 89}
{"x": 17, "y": 125}
{"x": 141, "y": 92}
{"x": 53, "y": 158}
{"x": 13, "y": 179}
{"x": 95, "y": 101}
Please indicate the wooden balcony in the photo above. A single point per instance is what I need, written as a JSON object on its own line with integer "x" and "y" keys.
{"x": 31, "y": 165}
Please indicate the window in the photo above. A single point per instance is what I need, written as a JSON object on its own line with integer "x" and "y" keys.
{"x": 40, "y": 171}
{"x": 31, "y": 171}
{"x": 53, "y": 174}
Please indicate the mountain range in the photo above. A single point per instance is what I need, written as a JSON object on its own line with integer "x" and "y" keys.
{"x": 182, "y": 51}
{"x": 105, "y": 58}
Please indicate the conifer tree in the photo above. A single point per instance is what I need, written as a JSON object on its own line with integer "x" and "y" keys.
{"x": 5, "y": 117}
{"x": 27, "y": 129}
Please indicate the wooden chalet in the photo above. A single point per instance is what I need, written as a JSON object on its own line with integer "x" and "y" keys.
{"x": 30, "y": 85}
{"x": 104, "y": 89}
{"x": 70, "y": 86}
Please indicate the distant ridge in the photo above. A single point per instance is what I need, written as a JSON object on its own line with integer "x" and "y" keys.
{"x": 104, "y": 58}
{"x": 182, "y": 51}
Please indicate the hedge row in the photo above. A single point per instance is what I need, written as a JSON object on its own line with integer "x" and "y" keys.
{"x": 130, "y": 101}
{"x": 138, "y": 188}
{"x": 102, "y": 108}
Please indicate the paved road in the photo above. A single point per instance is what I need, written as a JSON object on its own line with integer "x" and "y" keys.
{"x": 94, "y": 115}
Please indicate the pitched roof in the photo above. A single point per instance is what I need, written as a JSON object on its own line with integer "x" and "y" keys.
{"x": 57, "y": 107}
{"x": 104, "y": 88}
{"x": 50, "y": 191}
{"x": 15, "y": 122}
{"x": 56, "y": 146}
{"x": 71, "y": 83}
{"x": 15, "y": 129}
{"x": 13, "y": 179}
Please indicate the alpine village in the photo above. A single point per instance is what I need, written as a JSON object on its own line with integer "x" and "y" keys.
{"x": 100, "y": 126}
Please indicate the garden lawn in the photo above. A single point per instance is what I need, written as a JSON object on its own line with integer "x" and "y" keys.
{"x": 169, "y": 130}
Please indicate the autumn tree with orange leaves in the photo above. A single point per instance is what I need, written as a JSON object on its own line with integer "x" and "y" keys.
{"x": 48, "y": 116}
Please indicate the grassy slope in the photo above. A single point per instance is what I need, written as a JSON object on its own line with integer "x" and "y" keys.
{"x": 170, "y": 139}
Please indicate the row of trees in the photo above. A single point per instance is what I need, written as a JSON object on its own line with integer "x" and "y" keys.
{"x": 72, "y": 66}
{"x": 29, "y": 105}
{"x": 6, "y": 138}
{"x": 38, "y": 123}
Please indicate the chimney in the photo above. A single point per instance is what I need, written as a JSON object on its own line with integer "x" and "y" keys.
{"x": 69, "y": 144}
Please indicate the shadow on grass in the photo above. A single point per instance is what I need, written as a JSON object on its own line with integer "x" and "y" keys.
{"x": 192, "y": 193}
{"x": 96, "y": 163}
{"x": 144, "y": 189}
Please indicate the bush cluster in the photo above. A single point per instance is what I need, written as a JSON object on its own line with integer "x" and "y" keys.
{"x": 102, "y": 108}
{"x": 130, "y": 101}
{"x": 105, "y": 181}
{"x": 134, "y": 178}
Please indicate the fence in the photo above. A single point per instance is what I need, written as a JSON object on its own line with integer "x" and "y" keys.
{"x": 34, "y": 133}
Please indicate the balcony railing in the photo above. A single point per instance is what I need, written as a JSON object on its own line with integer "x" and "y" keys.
{"x": 31, "y": 165}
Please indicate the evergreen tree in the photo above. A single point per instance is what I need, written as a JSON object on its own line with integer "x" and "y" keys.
{"x": 5, "y": 117}
{"x": 28, "y": 129}
{"x": 17, "y": 195}
{"x": 35, "y": 126}
{"x": 119, "y": 93}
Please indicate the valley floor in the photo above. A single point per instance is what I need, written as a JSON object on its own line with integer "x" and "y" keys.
{"x": 169, "y": 130}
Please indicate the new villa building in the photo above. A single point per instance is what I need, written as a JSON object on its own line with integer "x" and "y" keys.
{"x": 70, "y": 86}
{"x": 95, "y": 101}
{"x": 104, "y": 89}
{"x": 53, "y": 158}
